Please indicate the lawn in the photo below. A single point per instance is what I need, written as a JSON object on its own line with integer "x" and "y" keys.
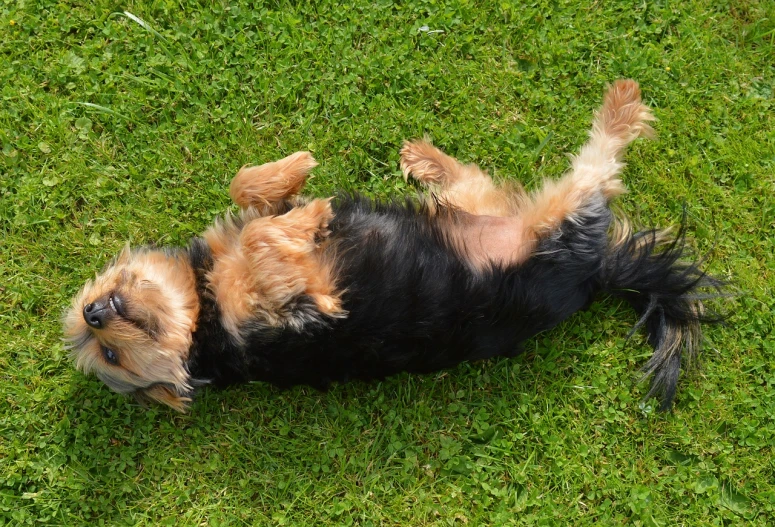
{"x": 126, "y": 121}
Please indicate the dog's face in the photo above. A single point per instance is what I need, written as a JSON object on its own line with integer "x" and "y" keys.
{"x": 132, "y": 325}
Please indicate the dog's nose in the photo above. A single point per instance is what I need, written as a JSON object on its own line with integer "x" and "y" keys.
{"x": 95, "y": 314}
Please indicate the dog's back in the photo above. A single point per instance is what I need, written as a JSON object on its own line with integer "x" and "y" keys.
{"x": 416, "y": 304}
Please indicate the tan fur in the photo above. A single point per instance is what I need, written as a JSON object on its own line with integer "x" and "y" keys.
{"x": 158, "y": 290}
{"x": 596, "y": 168}
{"x": 487, "y": 240}
{"x": 466, "y": 187}
{"x": 271, "y": 261}
{"x": 621, "y": 233}
{"x": 488, "y": 229}
{"x": 259, "y": 186}
{"x": 163, "y": 395}
{"x": 284, "y": 252}
{"x": 251, "y": 266}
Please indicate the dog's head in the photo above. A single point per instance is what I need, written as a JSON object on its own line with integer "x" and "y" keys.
{"x": 133, "y": 324}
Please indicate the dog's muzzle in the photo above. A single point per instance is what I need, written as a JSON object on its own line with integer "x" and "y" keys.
{"x": 96, "y": 314}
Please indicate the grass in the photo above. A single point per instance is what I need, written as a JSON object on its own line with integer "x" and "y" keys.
{"x": 127, "y": 123}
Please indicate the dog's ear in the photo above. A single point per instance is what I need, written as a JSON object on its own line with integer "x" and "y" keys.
{"x": 124, "y": 256}
{"x": 285, "y": 259}
{"x": 261, "y": 186}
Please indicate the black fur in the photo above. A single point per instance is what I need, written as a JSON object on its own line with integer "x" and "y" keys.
{"x": 415, "y": 305}
{"x": 663, "y": 290}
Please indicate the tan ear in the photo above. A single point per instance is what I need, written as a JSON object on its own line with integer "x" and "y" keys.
{"x": 262, "y": 185}
{"x": 124, "y": 256}
{"x": 286, "y": 261}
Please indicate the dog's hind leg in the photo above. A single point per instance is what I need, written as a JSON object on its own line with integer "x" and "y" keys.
{"x": 507, "y": 224}
{"x": 466, "y": 187}
{"x": 261, "y": 186}
{"x": 595, "y": 170}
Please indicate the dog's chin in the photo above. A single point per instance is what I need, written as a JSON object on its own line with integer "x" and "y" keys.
{"x": 116, "y": 384}
{"x": 165, "y": 394}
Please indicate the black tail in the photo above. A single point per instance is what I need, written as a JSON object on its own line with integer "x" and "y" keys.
{"x": 646, "y": 269}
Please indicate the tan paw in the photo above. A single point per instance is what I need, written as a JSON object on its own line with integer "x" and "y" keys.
{"x": 271, "y": 182}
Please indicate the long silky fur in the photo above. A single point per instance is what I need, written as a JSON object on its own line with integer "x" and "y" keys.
{"x": 415, "y": 306}
{"x": 648, "y": 269}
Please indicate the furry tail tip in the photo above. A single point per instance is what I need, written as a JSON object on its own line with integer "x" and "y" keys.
{"x": 648, "y": 270}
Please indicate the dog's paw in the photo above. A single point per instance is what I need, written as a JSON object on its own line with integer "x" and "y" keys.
{"x": 271, "y": 182}
{"x": 285, "y": 260}
{"x": 623, "y": 115}
{"x": 426, "y": 163}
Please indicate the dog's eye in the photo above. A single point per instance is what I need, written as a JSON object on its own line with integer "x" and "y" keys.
{"x": 110, "y": 355}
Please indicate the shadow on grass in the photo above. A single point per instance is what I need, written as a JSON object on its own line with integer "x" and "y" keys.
{"x": 259, "y": 445}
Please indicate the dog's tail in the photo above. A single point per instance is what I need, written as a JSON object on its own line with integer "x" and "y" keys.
{"x": 647, "y": 270}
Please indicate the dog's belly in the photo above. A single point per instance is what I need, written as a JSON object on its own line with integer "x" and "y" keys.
{"x": 489, "y": 239}
{"x": 414, "y": 303}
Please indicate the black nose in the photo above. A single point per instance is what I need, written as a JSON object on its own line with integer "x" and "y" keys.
{"x": 94, "y": 314}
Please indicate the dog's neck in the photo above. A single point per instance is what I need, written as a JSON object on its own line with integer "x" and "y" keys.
{"x": 209, "y": 340}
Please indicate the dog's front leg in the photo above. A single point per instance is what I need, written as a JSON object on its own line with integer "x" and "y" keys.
{"x": 263, "y": 185}
{"x": 286, "y": 262}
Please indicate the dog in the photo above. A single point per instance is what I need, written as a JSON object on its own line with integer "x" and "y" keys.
{"x": 294, "y": 290}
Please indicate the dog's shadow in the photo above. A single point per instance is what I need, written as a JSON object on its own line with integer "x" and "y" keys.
{"x": 257, "y": 440}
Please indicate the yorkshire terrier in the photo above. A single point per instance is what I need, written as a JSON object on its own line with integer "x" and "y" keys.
{"x": 310, "y": 291}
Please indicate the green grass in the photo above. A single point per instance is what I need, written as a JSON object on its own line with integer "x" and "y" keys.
{"x": 115, "y": 129}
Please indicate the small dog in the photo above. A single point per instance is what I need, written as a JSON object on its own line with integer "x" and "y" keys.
{"x": 294, "y": 291}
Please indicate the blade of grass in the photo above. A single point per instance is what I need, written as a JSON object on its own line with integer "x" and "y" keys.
{"x": 104, "y": 109}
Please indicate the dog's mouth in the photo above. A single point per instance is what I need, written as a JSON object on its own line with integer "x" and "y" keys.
{"x": 99, "y": 313}
{"x": 116, "y": 303}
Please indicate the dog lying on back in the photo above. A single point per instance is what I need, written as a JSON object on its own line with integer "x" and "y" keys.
{"x": 310, "y": 291}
